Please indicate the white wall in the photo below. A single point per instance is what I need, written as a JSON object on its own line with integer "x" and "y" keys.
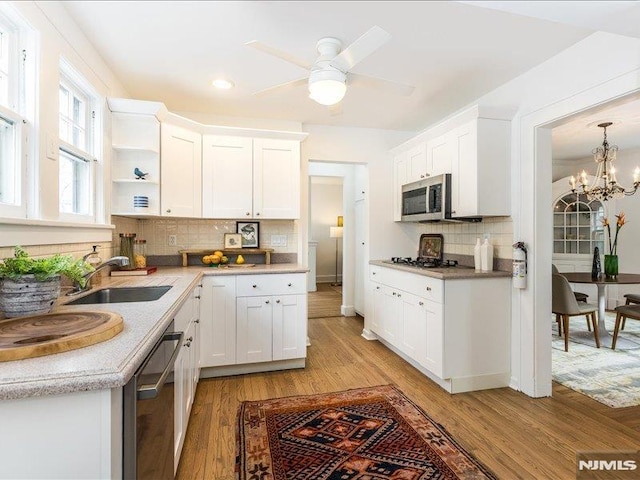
{"x": 325, "y": 206}
{"x": 556, "y": 89}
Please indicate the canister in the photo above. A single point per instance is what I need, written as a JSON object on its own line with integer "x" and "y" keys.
{"x": 140, "y": 253}
{"x": 126, "y": 249}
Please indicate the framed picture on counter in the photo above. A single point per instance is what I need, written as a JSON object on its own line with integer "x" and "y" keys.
{"x": 232, "y": 240}
{"x": 250, "y": 232}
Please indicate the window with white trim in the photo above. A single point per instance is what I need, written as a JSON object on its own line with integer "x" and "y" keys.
{"x": 78, "y": 146}
{"x": 14, "y": 35}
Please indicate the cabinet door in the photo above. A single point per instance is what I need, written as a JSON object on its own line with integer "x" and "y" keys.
{"x": 360, "y": 263}
{"x": 399, "y": 179}
{"x": 464, "y": 183}
{"x": 227, "y": 177}
{"x": 391, "y": 320}
{"x": 289, "y": 327}
{"x": 417, "y": 165}
{"x": 440, "y": 152}
{"x": 179, "y": 395}
{"x": 218, "y": 321}
{"x": 181, "y": 168}
{"x": 378, "y": 309}
{"x": 187, "y": 378}
{"x": 433, "y": 360}
{"x": 414, "y": 327}
{"x": 276, "y": 178}
{"x": 254, "y": 330}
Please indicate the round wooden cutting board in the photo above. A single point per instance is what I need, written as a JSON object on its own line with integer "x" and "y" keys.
{"x": 39, "y": 335}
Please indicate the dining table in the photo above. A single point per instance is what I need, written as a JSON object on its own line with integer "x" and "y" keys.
{"x": 602, "y": 281}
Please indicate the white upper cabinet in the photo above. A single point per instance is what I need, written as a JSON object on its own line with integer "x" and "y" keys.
{"x": 480, "y": 169}
{"x": 181, "y": 172}
{"x": 227, "y": 177}
{"x": 399, "y": 179}
{"x": 276, "y": 178}
{"x": 250, "y": 178}
{"x": 440, "y": 152}
{"x": 418, "y": 167}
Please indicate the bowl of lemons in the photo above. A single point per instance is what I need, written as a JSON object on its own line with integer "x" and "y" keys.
{"x": 216, "y": 259}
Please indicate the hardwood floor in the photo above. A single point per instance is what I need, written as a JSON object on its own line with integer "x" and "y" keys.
{"x": 325, "y": 302}
{"x": 512, "y": 434}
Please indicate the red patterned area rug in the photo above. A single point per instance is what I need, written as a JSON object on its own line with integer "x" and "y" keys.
{"x": 365, "y": 434}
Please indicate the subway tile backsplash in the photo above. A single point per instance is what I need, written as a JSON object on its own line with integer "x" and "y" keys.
{"x": 460, "y": 238}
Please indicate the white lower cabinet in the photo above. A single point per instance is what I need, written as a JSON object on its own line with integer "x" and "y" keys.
{"x": 186, "y": 369}
{"x": 455, "y": 331}
{"x": 252, "y": 319}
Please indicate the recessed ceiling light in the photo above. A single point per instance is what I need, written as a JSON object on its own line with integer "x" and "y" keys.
{"x": 222, "y": 84}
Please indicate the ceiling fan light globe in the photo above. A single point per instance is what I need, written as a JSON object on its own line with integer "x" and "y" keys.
{"x": 327, "y": 92}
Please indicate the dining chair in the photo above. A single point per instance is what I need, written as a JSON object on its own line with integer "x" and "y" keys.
{"x": 631, "y": 298}
{"x": 622, "y": 313}
{"x": 565, "y": 306}
{"x": 580, "y": 297}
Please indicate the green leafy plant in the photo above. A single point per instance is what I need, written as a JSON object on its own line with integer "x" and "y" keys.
{"x": 44, "y": 268}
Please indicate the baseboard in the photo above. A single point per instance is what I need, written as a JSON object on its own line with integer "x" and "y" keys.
{"x": 368, "y": 335}
{"x": 348, "y": 310}
{"x": 328, "y": 278}
{"x": 226, "y": 370}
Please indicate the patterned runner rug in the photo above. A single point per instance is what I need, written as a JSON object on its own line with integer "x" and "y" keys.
{"x": 609, "y": 376}
{"x": 371, "y": 433}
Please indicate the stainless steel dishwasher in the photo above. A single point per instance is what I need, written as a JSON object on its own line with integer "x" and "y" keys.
{"x": 148, "y": 403}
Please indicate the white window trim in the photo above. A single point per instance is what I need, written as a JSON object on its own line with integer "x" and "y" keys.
{"x": 72, "y": 80}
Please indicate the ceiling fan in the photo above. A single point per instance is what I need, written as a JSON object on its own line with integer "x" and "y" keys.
{"x": 331, "y": 72}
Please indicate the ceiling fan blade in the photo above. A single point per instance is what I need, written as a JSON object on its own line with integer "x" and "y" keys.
{"x": 380, "y": 83}
{"x": 279, "y": 53}
{"x": 283, "y": 87}
{"x": 364, "y": 46}
{"x": 335, "y": 109}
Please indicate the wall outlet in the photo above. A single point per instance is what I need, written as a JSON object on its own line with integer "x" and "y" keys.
{"x": 172, "y": 241}
{"x": 278, "y": 240}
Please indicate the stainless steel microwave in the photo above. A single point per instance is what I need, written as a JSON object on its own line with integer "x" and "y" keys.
{"x": 427, "y": 200}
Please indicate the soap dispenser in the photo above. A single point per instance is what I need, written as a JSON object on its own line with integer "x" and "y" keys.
{"x": 94, "y": 260}
{"x": 487, "y": 256}
{"x": 477, "y": 255}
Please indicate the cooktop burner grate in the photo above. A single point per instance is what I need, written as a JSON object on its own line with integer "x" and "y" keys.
{"x": 424, "y": 262}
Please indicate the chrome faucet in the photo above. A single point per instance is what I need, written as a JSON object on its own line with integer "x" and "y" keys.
{"x": 119, "y": 261}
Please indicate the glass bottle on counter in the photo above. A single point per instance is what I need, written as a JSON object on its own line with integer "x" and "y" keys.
{"x": 126, "y": 249}
{"x": 140, "y": 253}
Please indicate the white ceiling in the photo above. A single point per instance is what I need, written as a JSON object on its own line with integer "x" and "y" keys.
{"x": 452, "y": 52}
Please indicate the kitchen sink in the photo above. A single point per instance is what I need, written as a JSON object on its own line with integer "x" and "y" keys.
{"x": 122, "y": 294}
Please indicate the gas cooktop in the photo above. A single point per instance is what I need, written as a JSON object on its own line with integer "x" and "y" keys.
{"x": 422, "y": 262}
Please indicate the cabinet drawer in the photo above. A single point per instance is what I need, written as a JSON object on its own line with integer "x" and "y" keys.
{"x": 271, "y": 284}
{"x": 376, "y": 273}
{"x": 425, "y": 287}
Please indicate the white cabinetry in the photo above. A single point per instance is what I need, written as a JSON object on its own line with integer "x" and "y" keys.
{"x": 454, "y": 331}
{"x": 136, "y": 144}
{"x": 481, "y": 168}
{"x": 418, "y": 165}
{"x": 253, "y": 319}
{"x": 440, "y": 152}
{"x": 399, "y": 179}
{"x": 186, "y": 369}
{"x": 250, "y": 178}
{"x": 181, "y": 172}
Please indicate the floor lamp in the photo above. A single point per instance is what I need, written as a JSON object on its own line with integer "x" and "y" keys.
{"x": 336, "y": 232}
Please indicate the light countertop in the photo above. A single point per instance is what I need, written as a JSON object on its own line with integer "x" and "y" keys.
{"x": 113, "y": 362}
{"x": 447, "y": 273}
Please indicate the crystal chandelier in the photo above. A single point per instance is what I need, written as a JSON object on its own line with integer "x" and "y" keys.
{"x": 605, "y": 185}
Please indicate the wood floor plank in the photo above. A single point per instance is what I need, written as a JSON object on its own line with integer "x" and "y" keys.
{"x": 515, "y": 436}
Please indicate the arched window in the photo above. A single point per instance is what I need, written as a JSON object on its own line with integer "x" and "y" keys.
{"x": 577, "y": 225}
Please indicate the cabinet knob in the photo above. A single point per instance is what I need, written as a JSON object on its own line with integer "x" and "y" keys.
{"x": 377, "y": 288}
{"x": 267, "y": 301}
{"x": 288, "y": 284}
{"x": 200, "y": 285}
{"x": 421, "y": 303}
{"x": 399, "y": 295}
{"x": 247, "y": 214}
{"x": 197, "y": 296}
{"x": 277, "y": 301}
{"x": 428, "y": 289}
{"x": 197, "y": 320}
{"x": 394, "y": 294}
{"x": 362, "y": 192}
{"x": 168, "y": 210}
{"x": 363, "y": 243}
{"x": 453, "y": 211}
{"x": 373, "y": 273}
{"x": 257, "y": 214}
{"x": 188, "y": 344}
{"x": 421, "y": 176}
{"x": 254, "y": 286}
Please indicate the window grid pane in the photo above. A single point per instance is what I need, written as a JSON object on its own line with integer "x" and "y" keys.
{"x": 73, "y": 117}
{"x": 8, "y": 194}
{"x": 577, "y": 224}
{"x": 4, "y": 66}
{"x": 75, "y": 191}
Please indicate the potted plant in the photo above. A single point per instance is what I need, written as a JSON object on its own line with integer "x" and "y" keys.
{"x": 30, "y": 286}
